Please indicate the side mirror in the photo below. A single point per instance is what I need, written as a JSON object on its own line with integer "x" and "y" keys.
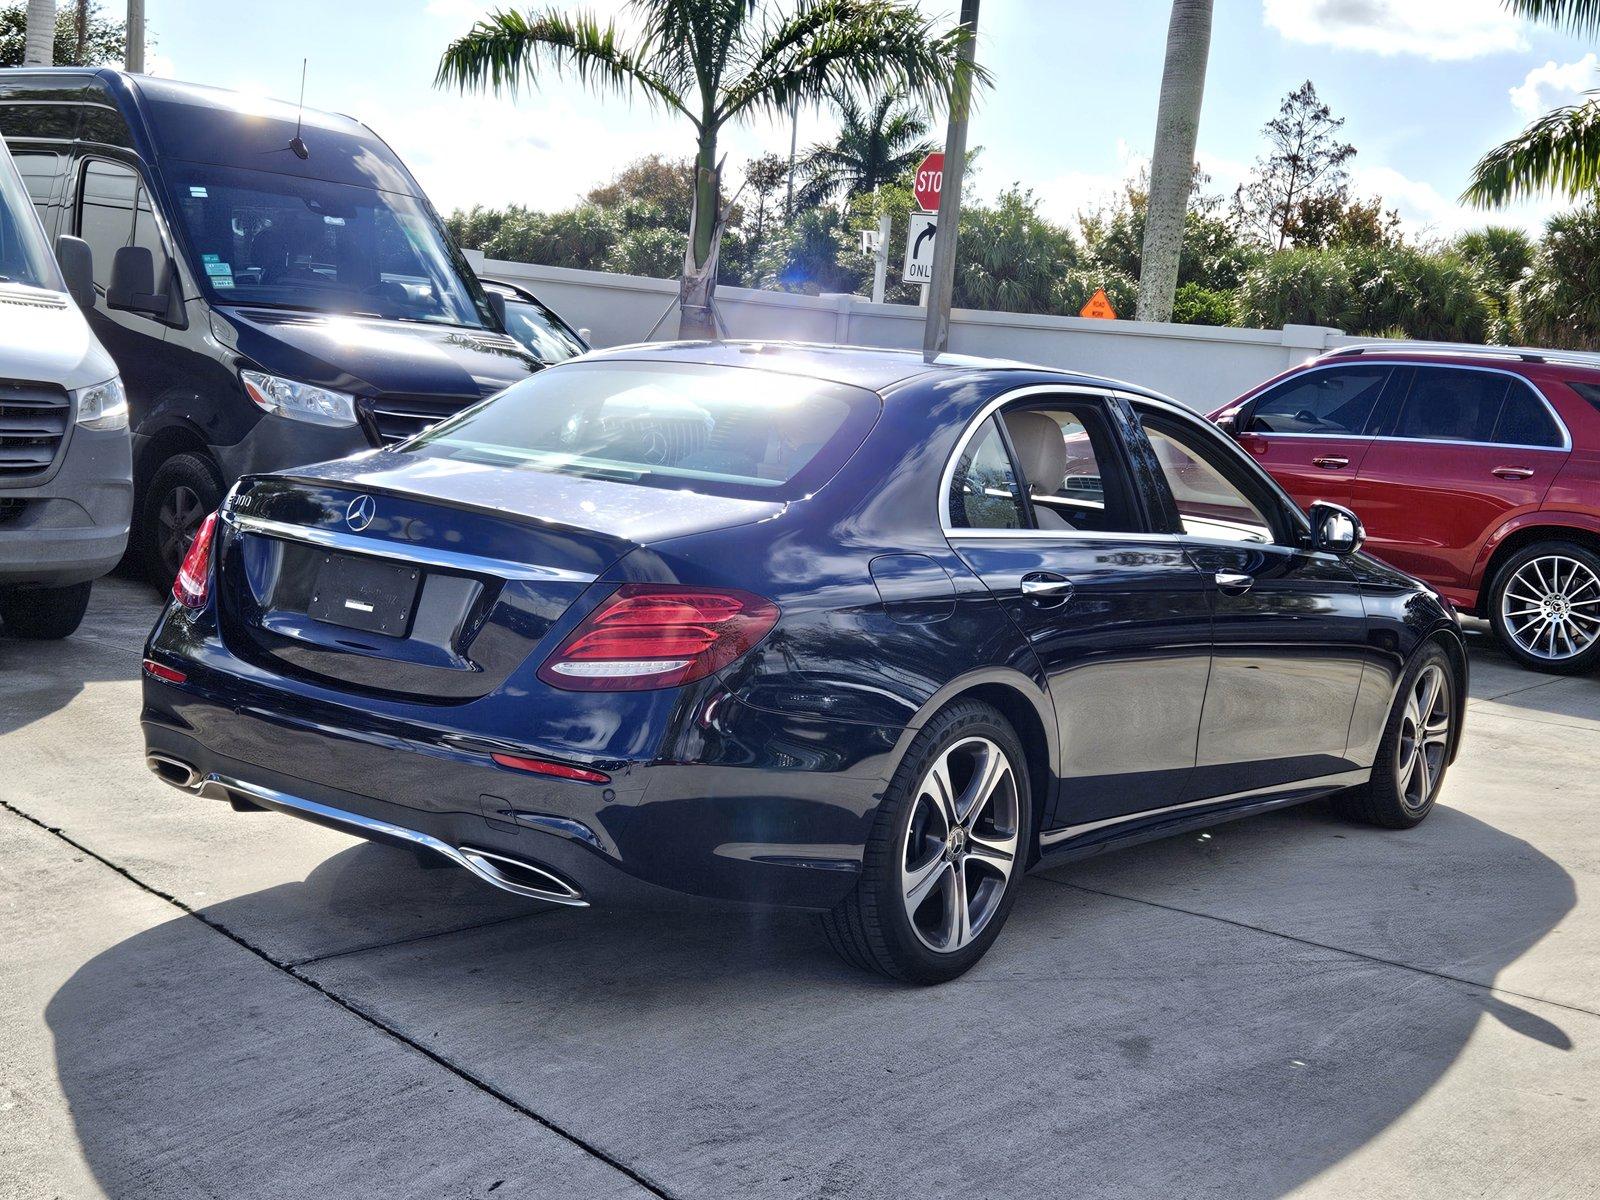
{"x": 1335, "y": 529}
{"x": 586, "y": 336}
{"x": 497, "y": 305}
{"x": 77, "y": 268}
{"x": 133, "y": 283}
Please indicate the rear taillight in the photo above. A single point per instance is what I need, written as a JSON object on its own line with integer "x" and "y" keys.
{"x": 649, "y": 635}
{"x": 193, "y": 583}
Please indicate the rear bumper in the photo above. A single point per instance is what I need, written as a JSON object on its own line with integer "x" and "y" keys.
{"x": 754, "y": 821}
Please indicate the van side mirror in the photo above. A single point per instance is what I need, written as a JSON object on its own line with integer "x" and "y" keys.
{"x": 1335, "y": 529}
{"x": 133, "y": 283}
{"x": 77, "y": 268}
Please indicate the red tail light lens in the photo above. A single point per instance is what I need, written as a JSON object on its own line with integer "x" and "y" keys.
{"x": 193, "y": 584}
{"x": 648, "y": 635}
{"x": 541, "y": 766}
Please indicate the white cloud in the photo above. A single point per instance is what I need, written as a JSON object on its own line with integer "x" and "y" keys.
{"x": 1437, "y": 29}
{"x": 1425, "y": 211}
{"x": 1553, "y": 83}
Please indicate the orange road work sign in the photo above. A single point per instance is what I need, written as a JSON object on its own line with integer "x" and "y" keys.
{"x": 1099, "y": 306}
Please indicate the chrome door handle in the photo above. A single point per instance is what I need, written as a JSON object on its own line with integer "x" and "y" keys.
{"x": 1332, "y": 462}
{"x": 1234, "y": 581}
{"x": 1513, "y": 472}
{"x": 1043, "y": 585}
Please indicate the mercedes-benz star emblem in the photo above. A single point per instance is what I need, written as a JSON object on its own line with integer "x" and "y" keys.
{"x": 360, "y": 513}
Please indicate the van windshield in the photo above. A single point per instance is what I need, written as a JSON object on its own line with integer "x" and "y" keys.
{"x": 25, "y": 257}
{"x": 285, "y": 241}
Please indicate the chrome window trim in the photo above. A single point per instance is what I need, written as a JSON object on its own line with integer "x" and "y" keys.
{"x": 1339, "y": 780}
{"x": 1566, "y": 434}
{"x": 432, "y": 556}
{"x": 958, "y": 533}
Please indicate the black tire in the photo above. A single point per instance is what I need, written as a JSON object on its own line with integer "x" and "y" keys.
{"x": 44, "y": 614}
{"x": 181, "y": 493}
{"x": 871, "y": 928}
{"x": 1581, "y": 607}
{"x": 1386, "y": 801}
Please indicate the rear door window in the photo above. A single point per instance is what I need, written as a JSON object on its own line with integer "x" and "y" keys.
{"x": 985, "y": 492}
{"x": 1452, "y": 405}
{"x": 1337, "y": 402}
{"x": 1525, "y": 420}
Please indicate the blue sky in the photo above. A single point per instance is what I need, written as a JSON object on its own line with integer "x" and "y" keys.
{"x": 1426, "y": 86}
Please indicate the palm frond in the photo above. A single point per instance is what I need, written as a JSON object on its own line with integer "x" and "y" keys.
{"x": 695, "y": 37}
{"x": 511, "y": 50}
{"x": 1581, "y": 17}
{"x": 828, "y": 48}
{"x": 1558, "y": 154}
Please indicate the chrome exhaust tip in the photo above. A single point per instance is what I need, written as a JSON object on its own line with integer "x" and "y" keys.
{"x": 173, "y": 770}
{"x": 522, "y": 878}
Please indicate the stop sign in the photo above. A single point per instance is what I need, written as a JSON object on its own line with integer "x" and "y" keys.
{"x": 929, "y": 179}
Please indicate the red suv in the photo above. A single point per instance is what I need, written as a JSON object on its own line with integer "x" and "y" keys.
{"x": 1477, "y": 471}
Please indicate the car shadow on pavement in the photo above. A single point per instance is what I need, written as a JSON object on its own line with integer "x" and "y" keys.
{"x": 1225, "y": 1016}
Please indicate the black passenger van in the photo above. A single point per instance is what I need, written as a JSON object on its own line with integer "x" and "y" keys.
{"x": 273, "y": 284}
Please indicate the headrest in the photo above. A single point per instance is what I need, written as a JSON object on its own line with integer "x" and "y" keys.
{"x": 1041, "y": 450}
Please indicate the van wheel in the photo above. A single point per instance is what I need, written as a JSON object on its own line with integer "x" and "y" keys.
{"x": 182, "y": 493}
{"x": 46, "y": 613}
{"x": 1545, "y": 607}
{"x": 945, "y": 855}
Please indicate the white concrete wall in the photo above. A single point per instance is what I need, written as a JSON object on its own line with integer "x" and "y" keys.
{"x": 1200, "y": 365}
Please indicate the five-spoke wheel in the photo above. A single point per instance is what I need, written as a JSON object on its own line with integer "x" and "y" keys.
{"x": 1424, "y": 737}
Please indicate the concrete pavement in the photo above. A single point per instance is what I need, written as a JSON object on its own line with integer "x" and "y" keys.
{"x": 200, "y": 1002}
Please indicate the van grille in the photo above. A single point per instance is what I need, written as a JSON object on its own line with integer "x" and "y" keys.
{"x": 390, "y": 419}
{"x": 33, "y": 423}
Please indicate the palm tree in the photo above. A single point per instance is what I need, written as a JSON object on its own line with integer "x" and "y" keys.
{"x": 715, "y": 62}
{"x": 1183, "y": 86}
{"x": 1560, "y": 152}
{"x": 41, "y": 36}
{"x": 876, "y": 145}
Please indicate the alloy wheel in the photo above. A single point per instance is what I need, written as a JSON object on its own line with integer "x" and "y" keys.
{"x": 178, "y": 520}
{"x": 1551, "y": 607}
{"x": 1424, "y": 738}
{"x": 960, "y": 846}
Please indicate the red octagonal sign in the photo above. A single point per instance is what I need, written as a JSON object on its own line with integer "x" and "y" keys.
{"x": 930, "y": 177}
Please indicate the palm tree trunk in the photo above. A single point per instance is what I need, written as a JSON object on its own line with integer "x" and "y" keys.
{"x": 1183, "y": 85}
{"x": 695, "y": 318}
{"x": 40, "y": 47}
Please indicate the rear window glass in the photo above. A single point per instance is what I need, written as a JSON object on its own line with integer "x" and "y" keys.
{"x": 715, "y": 430}
{"x": 1453, "y": 405}
{"x": 1525, "y": 421}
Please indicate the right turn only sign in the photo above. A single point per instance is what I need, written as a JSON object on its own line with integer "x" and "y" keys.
{"x": 919, "y": 247}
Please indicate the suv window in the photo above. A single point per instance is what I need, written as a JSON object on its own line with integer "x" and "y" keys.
{"x": 1211, "y": 500}
{"x": 1336, "y": 401}
{"x": 1525, "y": 420}
{"x": 984, "y": 493}
{"x": 1454, "y": 405}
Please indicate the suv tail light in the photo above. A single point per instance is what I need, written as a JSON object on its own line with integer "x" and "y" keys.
{"x": 193, "y": 584}
{"x": 649, "y": 635}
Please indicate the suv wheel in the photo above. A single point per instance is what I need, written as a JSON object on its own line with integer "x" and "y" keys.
{"x": 183, "y": 491}
{"x": 1545, "y": 607}
{"x": 945, "y": 855}
{"x": 45, "y": 613}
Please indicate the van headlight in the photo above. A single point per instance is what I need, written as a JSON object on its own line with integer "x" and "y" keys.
{"x": 299, "y": 401}
{"x": 103, "y": 406}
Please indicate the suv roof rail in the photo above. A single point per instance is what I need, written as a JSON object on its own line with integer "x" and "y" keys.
{"x": 1529, "y": 354}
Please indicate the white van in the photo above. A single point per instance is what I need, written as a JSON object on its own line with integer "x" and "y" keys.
{"x": 66, "y": 474}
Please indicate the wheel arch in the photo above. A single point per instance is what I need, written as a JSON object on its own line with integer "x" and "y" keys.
{"x": 171, "y": 439}
{"x": 1541, "y": 526}
{"x": 1025, "y": 703}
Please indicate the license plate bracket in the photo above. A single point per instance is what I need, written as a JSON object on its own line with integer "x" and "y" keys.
{"x": 365, "y": 594}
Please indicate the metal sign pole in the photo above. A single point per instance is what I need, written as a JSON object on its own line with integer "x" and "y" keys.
{"x": 936, "y": 332}
{"x": 880, "y": 264}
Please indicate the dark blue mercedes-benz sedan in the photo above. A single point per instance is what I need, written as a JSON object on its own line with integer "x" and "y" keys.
{"x": 826, "y": 628}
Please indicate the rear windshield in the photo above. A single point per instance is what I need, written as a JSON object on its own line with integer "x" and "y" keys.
{"x": 722, "y": 431}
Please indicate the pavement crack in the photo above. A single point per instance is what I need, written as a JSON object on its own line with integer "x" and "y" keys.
{"x": 421, "y": 937}
{"x": 1493, "y": 989}
{"x": 292, "y": 970}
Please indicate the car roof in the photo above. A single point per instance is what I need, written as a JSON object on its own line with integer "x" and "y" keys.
{"x": 861, "y": 366}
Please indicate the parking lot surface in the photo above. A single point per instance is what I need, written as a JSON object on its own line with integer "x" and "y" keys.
{"x": 203, "y": 1003}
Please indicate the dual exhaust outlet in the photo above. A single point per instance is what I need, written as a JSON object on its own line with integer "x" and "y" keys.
{"x": 493, "y": 867}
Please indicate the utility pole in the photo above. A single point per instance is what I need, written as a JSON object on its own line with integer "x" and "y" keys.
{"x": 133, "y": 58}
{"x": 936, "y": 330}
